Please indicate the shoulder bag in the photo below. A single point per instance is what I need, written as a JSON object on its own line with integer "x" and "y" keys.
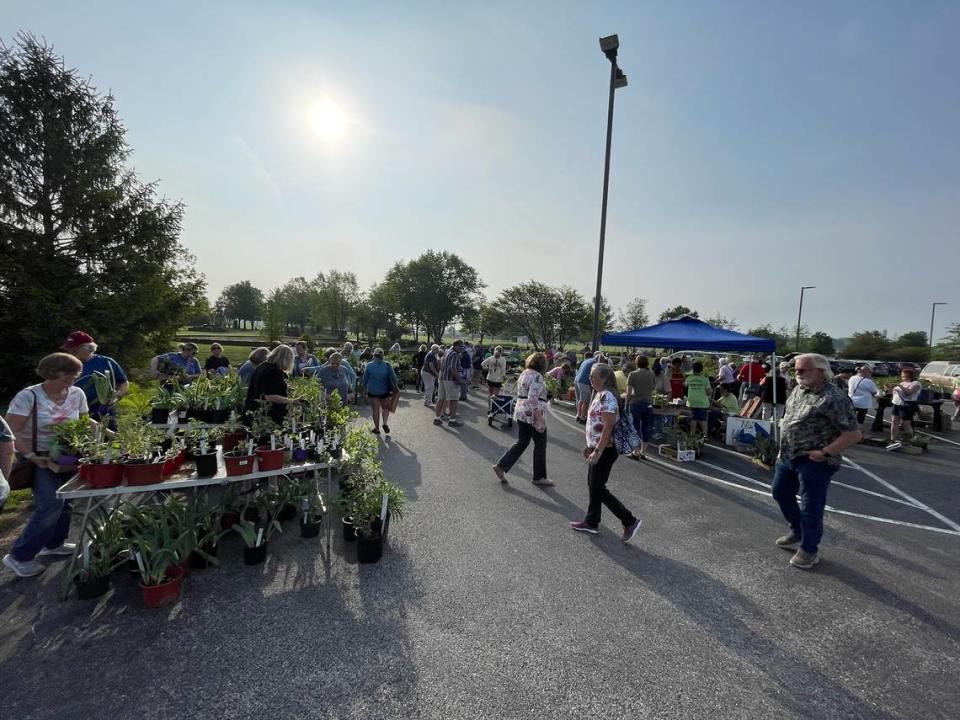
{"x": 24, "y": 472}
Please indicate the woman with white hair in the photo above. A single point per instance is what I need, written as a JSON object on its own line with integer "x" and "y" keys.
{"x": 269, "y": 382}
{"x": 83, "y": 347}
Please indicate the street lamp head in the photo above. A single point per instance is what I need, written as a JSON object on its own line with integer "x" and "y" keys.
{"x": 809, "y": 287}
{"x": 609, "y": 45}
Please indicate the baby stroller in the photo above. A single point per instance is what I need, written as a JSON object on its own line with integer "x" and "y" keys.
{"x": 500, "y": 405}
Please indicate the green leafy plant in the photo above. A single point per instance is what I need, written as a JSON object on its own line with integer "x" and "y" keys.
{"x": 105, "y": 386}
{"x": 107, "y": 543}
{"x": 156, "y": 540}
{"x": 70, "y": 436}
{"x": 139, "y": 439}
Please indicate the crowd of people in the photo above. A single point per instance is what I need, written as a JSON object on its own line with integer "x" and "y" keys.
{"x": 819, "y": 415}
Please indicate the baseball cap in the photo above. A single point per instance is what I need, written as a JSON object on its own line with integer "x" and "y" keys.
{"x": 76, "y": 339}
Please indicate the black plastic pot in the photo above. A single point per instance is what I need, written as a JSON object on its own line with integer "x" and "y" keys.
{"x": 336, "y": 452}
{"x": 254, "y": 555}
{"x": 206, "y": 464}
{"x": 369, "y": 549}
{"x": 309, "y": 529}
{"x": 92, "y": 587}
{"x": 166, "y": 444}
{"x": 287, "y": 512}
{"x": 160, "y": 416}
{"x": 199, "y": 562}
{"x": 252, "y": 514}
{"x": 349, "y": 532}
{"x": 375, "y": 526}
{"x": 218, "y": 417}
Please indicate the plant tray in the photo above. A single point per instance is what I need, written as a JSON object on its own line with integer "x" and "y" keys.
{"x": 678, "y": 455}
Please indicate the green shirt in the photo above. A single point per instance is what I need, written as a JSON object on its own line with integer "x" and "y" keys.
{"x": 730, "y": 404}
{"x": 698, "y": 391}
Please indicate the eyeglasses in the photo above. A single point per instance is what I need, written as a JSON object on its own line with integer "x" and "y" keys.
{"x": 803, "y": 371}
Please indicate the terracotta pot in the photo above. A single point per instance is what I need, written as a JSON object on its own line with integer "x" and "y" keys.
{"x": 268, "y": 459}
{"x": 165, "y": 593}
{"x": 239, "y": 464}
{"x": 138, "y": 474}
{"x": 102, "y": 475}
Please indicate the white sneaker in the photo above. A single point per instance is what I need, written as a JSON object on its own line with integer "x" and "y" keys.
{"x": 23, "y": 569}
{"x": 894, "y": 446}
{"x": 65, "y": 550}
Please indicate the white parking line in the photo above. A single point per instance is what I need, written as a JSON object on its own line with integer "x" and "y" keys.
{"x": 945, "y": 520}
{"x": 766, "y": 492}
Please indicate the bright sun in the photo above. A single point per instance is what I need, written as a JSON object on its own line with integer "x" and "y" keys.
{"x": 328, "y": 121}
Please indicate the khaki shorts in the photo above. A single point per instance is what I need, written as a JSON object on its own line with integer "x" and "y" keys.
{"x": 449, "y": 390}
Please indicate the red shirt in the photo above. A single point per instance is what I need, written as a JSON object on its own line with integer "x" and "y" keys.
{"x": 751, "y": 373}
{"x": 676, "y": 384}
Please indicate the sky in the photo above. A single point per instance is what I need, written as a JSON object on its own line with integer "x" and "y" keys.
{"x": 758, "y": 147}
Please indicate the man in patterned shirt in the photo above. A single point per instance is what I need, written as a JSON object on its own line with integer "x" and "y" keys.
{"x": 449, "y": 388}
{"x": 819, "y": 423}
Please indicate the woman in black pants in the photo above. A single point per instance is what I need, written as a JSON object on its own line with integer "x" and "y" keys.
{"x": 529, "y": 411}
{"x": 601, "y": 455}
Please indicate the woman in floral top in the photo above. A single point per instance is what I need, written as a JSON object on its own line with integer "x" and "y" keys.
{"x": 601, "y": 454}
{"x": 529, "y": 412}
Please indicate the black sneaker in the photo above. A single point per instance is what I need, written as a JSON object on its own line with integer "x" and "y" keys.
{"x": 386, "y": 428}
{"x": 437, "y": 421}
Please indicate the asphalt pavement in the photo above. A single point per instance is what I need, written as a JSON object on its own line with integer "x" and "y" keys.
{"x": 486, "y": 604}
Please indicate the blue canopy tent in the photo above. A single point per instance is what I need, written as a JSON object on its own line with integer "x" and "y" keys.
{"x": 689, "y": 333}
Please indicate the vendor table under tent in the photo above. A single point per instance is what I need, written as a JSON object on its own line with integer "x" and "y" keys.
{"x": 690, "y": 333}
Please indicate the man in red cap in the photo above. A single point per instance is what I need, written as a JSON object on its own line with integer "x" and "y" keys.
{"x": 84, "y": 348}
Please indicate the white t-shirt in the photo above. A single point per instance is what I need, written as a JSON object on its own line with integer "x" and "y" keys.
{"x": 48, "y": 412}
{"x": 861, "y": 390}
{"x": 496, "y": 368}
{"x": 906, "y": 392}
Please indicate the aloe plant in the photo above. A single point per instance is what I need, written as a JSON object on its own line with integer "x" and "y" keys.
{"x": 104, "y": 554}
{"x": 105, "y": 385}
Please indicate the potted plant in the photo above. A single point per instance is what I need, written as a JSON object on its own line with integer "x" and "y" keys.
{"x": 101, "y": 555}
{"x": 241, "y": 460}
{"x": 255, "y": 539}
{"x": 202, "y": 449}
{"x": 68, "y": 440}
{"x": 102, "y": 463}
{"x": 154, "y": 546}
{"x": 234, "y": 433}
{"x": 372, "y": 509}
{"x": 141, "y": 443}
{"x": 312, "y": 511}
{"x": 206, "y": 519}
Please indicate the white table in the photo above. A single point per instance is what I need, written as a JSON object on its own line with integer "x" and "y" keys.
{"x": 94, "y": 498}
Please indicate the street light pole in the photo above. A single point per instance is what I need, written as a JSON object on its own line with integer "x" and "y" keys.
{"x": 609, "y": 46}
{"x": 800, "y": 313}
{"x": 933, "y": 311}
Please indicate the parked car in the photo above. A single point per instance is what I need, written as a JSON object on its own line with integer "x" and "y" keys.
{"x": 843, "y": 365}
{"x": 941, "y": 375}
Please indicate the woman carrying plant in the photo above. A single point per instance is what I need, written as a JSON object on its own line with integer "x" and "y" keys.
{"x": 255, "y": 358}
{"x": 530, "y": 413}
{"x": 496, "y": 367}
{"x": 305, "y": 363}
{"x": 269, "y": 382}
{"x": 177, "y": 364}
{"x": 82, "y": 346}
{"x": 217, "y": 363}
{"x": 380, "y": 381}
{"x": 52, "y": 401}
{"x": 601, "y": 454}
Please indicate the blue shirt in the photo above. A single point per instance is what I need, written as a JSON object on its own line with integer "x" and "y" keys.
{"x": 583, "y": 372}
{"x": 190, "y": 365}
{"x": 334, "y": 380}
{"x": 351, "y": 373}
{"x": 100, "y": 364}
{"x": 307, "y": 366}
{"x": 246, "y": 371}
{"x": 379, "y": 377}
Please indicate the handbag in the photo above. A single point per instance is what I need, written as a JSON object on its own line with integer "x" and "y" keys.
{"x": 24, "y": 472}
{"x": 625, "y": 436}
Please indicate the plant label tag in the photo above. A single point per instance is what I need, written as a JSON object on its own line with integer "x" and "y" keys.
{"x": 383, "y": 510}
{"x": 259, "y": 537}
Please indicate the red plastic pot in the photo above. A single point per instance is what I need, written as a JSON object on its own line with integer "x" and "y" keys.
{"x": 102, "y": 475}
{"x": 232, "y": 439}
{"x": 239, "y": 464}
{"x": 165, "y": 593}
{"x": 268, "y": 459}
{"x": 143, "y": 473}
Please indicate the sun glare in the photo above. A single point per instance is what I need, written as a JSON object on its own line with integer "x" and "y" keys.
{"x": 328, "y": 121}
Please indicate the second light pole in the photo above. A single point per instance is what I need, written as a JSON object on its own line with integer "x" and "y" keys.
{"x": 609, "y": 45}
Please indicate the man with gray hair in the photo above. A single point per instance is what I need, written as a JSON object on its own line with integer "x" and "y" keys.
{"x": 818, "y": 425}
{"x": 449, "y": 382}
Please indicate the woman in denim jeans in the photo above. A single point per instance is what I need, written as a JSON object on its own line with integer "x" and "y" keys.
{"x": 55, "y": 400}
